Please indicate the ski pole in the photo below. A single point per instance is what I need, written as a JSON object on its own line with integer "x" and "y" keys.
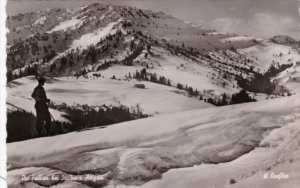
{"x": 60, "y": 126}
{"x": 16, "y": 107}
{"x": 52, "y": 116}
{"x": 3, "y": 178}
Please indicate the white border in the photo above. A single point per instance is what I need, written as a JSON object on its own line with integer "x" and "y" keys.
{"x": 3, "y": 172}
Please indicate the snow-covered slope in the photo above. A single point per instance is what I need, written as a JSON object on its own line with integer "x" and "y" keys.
{"x": 264, "y": 134}
{"x": 178, "y": 69}
{"x": 239, "y": 39}
{"x": 94, "y": 37}
{"x": 62, "y": 29}
{"x": 85, "y": 38}
{"x": 19, "y": 97}
{"x": 68, "y": 24}
{"x": 268, "y": 53}
{"x": 98, "y": 91}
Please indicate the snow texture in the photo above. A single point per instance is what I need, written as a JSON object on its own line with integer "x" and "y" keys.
{"x": 185, "y": 142}
{"x": 239, "y": 39}
{"x": 40, "y": 21}
{"x": 68, "y": 24}
{"x": 94, "y": 37}
{"x": 101, "y": 91}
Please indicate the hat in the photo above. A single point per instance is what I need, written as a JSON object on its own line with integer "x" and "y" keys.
{"x": 41, "y": 80}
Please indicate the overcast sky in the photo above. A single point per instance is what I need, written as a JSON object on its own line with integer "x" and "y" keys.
{"x": 263, "y": 18}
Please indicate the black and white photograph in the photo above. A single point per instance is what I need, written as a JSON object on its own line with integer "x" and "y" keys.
{"x": 151, "y": 94}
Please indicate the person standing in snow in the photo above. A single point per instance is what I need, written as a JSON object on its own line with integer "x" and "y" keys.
{"x": 41, "y": 106}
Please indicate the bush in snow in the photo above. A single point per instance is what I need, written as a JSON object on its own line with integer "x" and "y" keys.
{"x": 84, "y": 116}
{"x": 152, "y": 77}
{"x": 241, "y": 97}
{"x": 20, "y": 125}
{"x": 261, "y": 83}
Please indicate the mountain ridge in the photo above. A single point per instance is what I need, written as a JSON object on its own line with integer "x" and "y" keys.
{"x": 90, "y": 39}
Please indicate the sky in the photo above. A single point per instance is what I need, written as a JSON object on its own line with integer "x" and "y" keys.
{"x": 262, "y": 18}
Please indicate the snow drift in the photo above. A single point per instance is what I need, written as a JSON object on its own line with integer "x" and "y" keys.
{"x": 155, "y": 145}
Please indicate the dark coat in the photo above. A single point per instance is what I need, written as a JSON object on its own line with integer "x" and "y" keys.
{"x": 40, "y": 98}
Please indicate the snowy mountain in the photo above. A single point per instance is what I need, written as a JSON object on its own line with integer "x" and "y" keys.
{"x": 98, "y": 38}
{"x": 164, "y": 78}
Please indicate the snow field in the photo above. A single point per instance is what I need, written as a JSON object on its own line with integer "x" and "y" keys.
{"x": 96, "y": 92}
{"x": 182, "y": 139}
{"x": 239, "y": 39}
{"x": 268, "y": 53}
{"x": 68, "y": 24}
{"x": 94, "y": 37}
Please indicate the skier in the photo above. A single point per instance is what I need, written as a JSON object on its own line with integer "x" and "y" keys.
{"x": 41, "y": 106}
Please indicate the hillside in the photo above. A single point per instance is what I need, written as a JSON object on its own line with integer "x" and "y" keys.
{"x": 95, "y": 38}
{"x": 99, "y": 91}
